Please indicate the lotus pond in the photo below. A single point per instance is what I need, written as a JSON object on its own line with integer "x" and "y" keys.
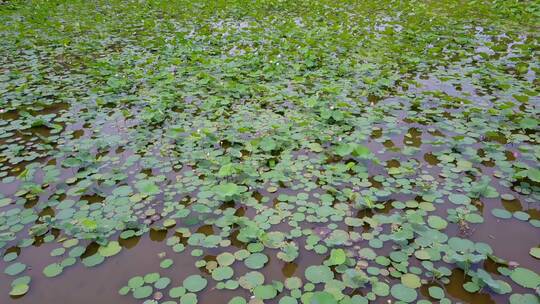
{"x": 314, "y": 152}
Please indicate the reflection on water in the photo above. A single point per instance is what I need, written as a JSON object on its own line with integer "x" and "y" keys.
{"x": 158, "y": 235}
{"x": 455, "y": 290}
{"x": 142, "y": 254}
{"x": 289, "y": 269}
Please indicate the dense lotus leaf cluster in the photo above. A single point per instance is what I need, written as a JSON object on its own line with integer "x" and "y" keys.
{"x": 372, "y": 137}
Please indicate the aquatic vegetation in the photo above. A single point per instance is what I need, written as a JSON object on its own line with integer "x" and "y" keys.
{"x": 269, "y": 151}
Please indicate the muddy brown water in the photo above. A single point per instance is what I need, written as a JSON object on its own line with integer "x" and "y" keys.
{"x": 78, "y": 284}
{"x": 510, "y": 239}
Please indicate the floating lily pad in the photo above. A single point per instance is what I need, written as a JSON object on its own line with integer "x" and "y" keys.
{"x": 237, "y": 300}
{"x": 337, "y": 257}
{"x": 142, "y": 292}
{"x": 177, "y": 292}
{"x": 19, "y": 290}
{"x": 403, "y": 293}
{"x": 411, "y": 280}
{"x": 288, "y": 300}
{"x": 321, "y": 297}
{"x": 112, "y": 248}
{"x": 195, "y": 283}
{"x": 501, "y": 213}
{"x": 10, "y": 256}
{"x": 162, "y": 283}
{"x": 535, "y": 252}
{"x": 151, "y": 277}
{"x": 265, "y": 292}
{"x": 15, "y": 269}
{"x": 293, "y": 283}
{"x": 225, "y": 259}
{"x": 222, "y": 273}
{"x": 256, "y": 260}
{"x": 525, "y": 277}
{"x": 319, "y": 274}
{"x": 53, "y": 270}
{"x": 93, "y": 260}
{"x": 166, "y": 263}
{"x": 437, "y": 222}
{"x": 523, "y": 299}
{"x": 436, "y": 292}
{"x": 459, "y": 199}
{"x": 189, "y": 298}
{"x": 251, "y": 279}
{"x": 136, "y": 282}
{"x": 147, "y": 187}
